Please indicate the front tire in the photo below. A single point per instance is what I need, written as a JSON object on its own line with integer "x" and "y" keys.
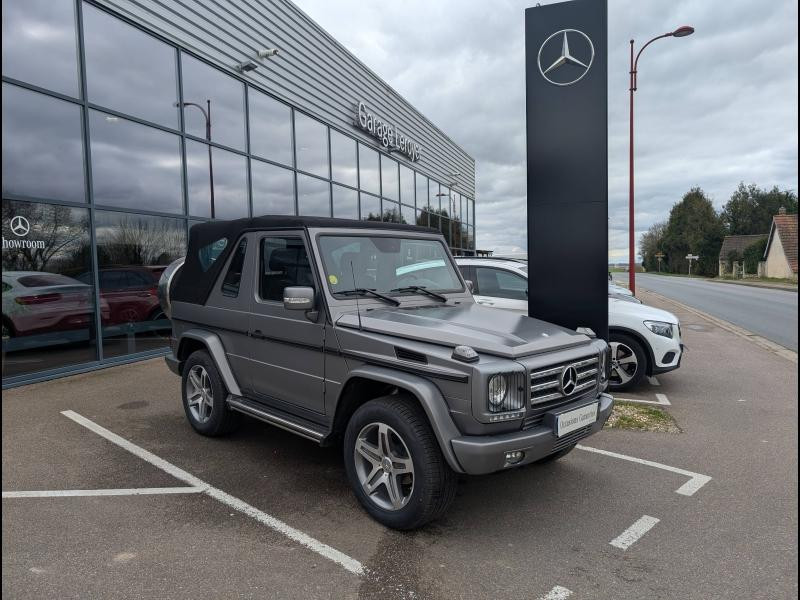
{"x": 628, "y": 362}
{"x": 205, "y": 397}
{"x": 394, "y": 463}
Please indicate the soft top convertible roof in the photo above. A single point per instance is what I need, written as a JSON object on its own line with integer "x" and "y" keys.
{"x": 193, "y": 283}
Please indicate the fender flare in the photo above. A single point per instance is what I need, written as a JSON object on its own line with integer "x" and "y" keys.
{"x": 428, "y": 395}
{"x": 217, "y": 351}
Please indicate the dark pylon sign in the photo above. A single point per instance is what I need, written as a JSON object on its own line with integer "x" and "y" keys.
{"x": 567, "y": 131}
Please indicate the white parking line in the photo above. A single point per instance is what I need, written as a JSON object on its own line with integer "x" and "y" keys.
{"x": 115, "y": 492}
{"x": 557, "y": 593}
{"x": 696, "y": 481}
{"x": 661, "y": 399}
{"x": 653, "y": 380}
{"x": 328, "y": 552}
{"x": 625, "y": 539}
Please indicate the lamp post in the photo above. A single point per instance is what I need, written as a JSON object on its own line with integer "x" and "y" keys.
{"x": 682, "y": 31}
{"x": 207, "y": 115}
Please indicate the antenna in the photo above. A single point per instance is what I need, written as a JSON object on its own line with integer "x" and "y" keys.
{"x": 358, "y": 310}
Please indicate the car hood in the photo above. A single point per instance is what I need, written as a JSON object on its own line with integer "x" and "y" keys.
{"x": 641, "y": 312}
{"x": 487, "y": 330}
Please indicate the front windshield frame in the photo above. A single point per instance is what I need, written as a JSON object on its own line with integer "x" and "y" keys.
{"x": 342, "y": 296}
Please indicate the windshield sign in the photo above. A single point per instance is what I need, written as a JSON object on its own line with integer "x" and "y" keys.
{"x": 389, "y": 265}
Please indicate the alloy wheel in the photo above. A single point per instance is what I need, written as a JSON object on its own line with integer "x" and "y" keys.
{"x": 624, "y": 363}
{"x": 199, "y": 394}
{"x": 384, "y": 466}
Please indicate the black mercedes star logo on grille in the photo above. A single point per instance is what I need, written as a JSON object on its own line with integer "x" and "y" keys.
{"x": 569, "y": 380}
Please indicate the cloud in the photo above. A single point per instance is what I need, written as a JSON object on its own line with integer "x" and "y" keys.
{"x": 712, "y": 109}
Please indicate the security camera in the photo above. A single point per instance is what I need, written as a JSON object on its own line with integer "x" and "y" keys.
{"x": 267, "y": 52}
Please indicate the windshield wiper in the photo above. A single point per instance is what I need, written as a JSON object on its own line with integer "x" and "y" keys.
{"x": 420, "y": 289}
{"x": 368, "y": 292}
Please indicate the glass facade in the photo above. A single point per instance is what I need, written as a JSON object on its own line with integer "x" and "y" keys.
{"x": 115, "y": 142}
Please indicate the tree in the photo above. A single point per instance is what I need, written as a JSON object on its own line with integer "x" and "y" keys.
{"x": 753, "y": 255}
{"x": 750, "y": 209}
{"x": 693, "y": 227}
{"x": 650, "y": 244}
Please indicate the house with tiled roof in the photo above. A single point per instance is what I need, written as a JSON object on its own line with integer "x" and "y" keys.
{"x": 734, "y": 246}
{"x": 780, "y": 257}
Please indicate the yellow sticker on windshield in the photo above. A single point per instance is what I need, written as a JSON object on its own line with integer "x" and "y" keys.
{"x": 333, "y": 279}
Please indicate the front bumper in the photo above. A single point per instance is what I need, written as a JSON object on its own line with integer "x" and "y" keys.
{"x": 479, "y": 454}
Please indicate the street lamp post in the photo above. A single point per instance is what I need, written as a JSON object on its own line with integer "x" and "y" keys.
{"x": 682, "y": 31}
{"x": 207, "y": 115}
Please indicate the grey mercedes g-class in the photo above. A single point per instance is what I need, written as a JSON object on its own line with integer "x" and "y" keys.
{"x": 365, "y": 334}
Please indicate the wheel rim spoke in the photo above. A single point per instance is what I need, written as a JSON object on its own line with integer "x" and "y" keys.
{"x": 369, "y": 452}
{"x": 199, "y": 394}
{"x": 384, "y": 467}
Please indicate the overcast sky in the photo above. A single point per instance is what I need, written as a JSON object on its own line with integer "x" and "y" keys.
{"x": 712, "y": 109}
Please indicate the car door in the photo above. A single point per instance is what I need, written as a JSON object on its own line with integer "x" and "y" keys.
{"x": 286, "y": 358}
{"x": 501, "y": 288}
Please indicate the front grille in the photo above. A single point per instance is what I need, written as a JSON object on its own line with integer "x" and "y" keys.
{"x": 546, "y": 382}
{"x": 535, "y": 414}
{"x": 571, "y": 438}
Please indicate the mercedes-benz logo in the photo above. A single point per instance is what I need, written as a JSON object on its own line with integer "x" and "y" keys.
{"x": 567, "y": 68}
{"x": 569, "y": 380}
{"x": 20, "y": 226}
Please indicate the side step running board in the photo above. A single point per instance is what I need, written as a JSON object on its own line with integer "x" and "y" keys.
{"x": 278, "y": 418}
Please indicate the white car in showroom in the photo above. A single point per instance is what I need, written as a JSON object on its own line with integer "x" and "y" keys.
{"x": 644, "y": 340}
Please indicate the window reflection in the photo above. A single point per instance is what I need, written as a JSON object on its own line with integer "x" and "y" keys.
{"x": 42, "y": 146}
{"x": 370, "y": 207}
{"x": 201, "y": 83}
{"x": 345, "y": 202}
{"x": 422, "y": 191}
{"x": 134, "y": 166}
{"x": 132, "y": 252}
{"x": 40, "y": 45}
{"x": 48, "y": 313}
{"x": 230, "y": 182}
{"x": 391, "y": 212}
{"x": 368, "y": 170}
{"x": 343, "y": 159}
{"x": 128, "y": 70}
{"x": 389, "y": 178}
{"x": 408, "y": 214}
{"x": 406, "y": 185}
{"x": 273, "y": 189}
{"x": 270, "y": 128}
{"x": 313, "y": 196}
{"x": 311, "y": 144}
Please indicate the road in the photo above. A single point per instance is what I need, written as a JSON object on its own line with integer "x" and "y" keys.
{"x": 543, "y": 531}
{"x": 770, "y": 313}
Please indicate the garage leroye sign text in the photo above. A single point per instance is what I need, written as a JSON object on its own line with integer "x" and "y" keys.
{"x": 388, "y": 134}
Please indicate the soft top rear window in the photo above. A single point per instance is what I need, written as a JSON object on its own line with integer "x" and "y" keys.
{"x": 210, "y": 253}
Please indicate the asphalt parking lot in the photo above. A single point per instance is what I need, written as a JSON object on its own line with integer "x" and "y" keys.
{"x": 707, "y": 513}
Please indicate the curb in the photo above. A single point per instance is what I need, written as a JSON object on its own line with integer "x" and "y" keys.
{"x": 766, "y": 286}
{"x": 761, "y": 341}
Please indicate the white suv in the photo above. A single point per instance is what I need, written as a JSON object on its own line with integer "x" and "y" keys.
{"x": 644, "y": 340}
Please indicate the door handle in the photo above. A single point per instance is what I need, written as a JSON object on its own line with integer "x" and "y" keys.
{"x": 485, "y": 303}
{"x": 257, "y": 334}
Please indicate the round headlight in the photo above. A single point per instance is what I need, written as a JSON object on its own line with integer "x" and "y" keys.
{"x": 498, "y": 390}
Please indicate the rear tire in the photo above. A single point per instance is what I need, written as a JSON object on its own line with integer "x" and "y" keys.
{"x": 390, "y": 450}
{"x": 205, "y": 397}
{"x": 628, "y": 362}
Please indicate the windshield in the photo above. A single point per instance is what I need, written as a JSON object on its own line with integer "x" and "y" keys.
{"x": 386, "y": 264}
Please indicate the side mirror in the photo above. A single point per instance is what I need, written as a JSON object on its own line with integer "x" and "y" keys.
{"x": 298, "y": 298}
{"x": 470, "y": 285}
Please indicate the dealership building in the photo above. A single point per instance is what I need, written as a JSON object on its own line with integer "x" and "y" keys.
{"x": 125, "y": 122}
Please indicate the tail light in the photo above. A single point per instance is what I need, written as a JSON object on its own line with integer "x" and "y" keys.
{"x": 38, "y": 299}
